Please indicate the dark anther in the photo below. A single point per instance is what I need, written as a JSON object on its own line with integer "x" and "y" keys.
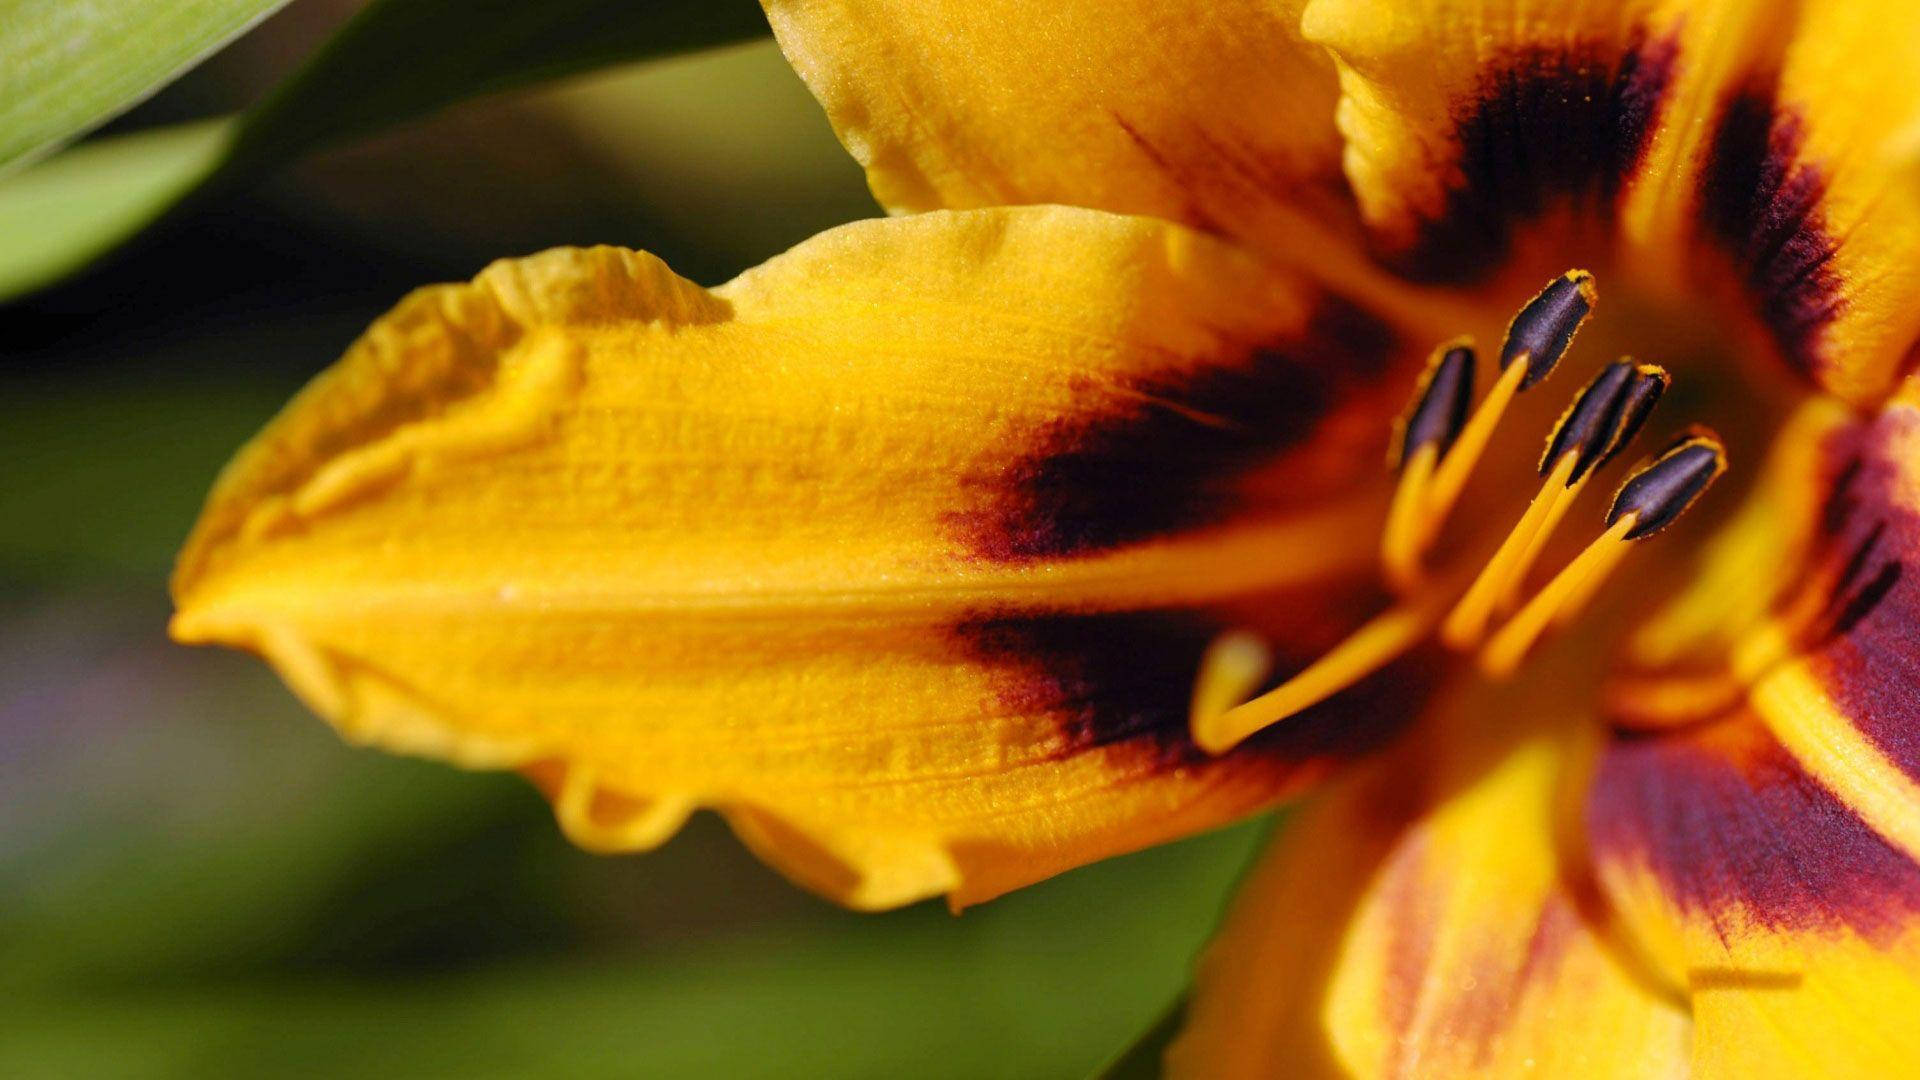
{"x": 1663, "y": 490}
{"x": 1649, "y": 382}
{"x": 1587, "y": 428}
{"x": 1440, "y": 405}
{"x": 1545, "y": 327}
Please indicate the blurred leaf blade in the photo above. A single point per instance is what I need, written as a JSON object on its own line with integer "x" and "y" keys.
{"x": 64, "y": 213}
{"x": 66, "y": 67}
{"x": 402, "y": 58}
{"x": 1143, "y": 1058}
{"x": 396, "y": 60}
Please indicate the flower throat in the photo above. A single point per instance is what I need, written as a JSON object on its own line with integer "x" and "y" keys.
{"x": 1481, "y": 608}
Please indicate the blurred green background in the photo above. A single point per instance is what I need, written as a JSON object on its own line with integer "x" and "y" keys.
{"x": 197, "y": 878}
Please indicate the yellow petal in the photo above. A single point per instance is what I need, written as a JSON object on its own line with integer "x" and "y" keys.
{"x": 1810, "y": 182}
{"x": 1793, "y": 924}
{"x": 1262, "y": 984}
{"x": 1766, "y": 155}
{"x": 901, "y": 549}
{"x": 1834, "y": 671}
{"x": 1735, "y": 579}
{"x": 1465, "y": 120}
{"x": 1212, "y": 114}
{"x": 1420, "y": 919}
{"x": 1771, "y": 858}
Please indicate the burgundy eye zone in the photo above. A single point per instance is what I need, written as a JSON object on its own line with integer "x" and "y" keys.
{"x": 1727, "y": 819}
{"x": 1164, "y": 457}
{"x": 1870, "y": 658}
{"x": 1125, "y": 679}
{"x": 1544, "y": 125}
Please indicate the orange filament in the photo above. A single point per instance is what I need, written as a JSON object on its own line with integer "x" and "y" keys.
{"x": 1450, "y": 479}
{"x": 1435, "y": 469}
{"x": 1402, "y": 543}
{"x": 1467, "y": 623}
{"x": 1382, "y": 640}
{"x": 1564, "y": 597}
{"x": 1563, "y": 500}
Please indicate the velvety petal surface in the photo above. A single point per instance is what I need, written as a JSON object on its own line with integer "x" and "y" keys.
{"x": 1772, "y": 855}
{"x": 1786, "y": 917}
{"x": 1809, "y": 184}
{"x": 1261, "y": 989}
{"x": 1425, "y": 918}
{"x": 901, "y": 549}
{"x": 1758, "y": 156}
{"x": 1465, "y": 121}
{"x": 1216, "y": 115}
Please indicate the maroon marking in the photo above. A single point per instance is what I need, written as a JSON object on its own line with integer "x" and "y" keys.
{"x": 1726, "y": 818}
{"x": 1126, "y": 679}
{"x": 1762, "y": 204}
{"x": 1869, "y": 660}
{"x": 1146, "y": 463}
{"x": 1544, "y": 125}
{"x": 1840, "y": 503}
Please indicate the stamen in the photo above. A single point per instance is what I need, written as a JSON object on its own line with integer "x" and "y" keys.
{"x": 1467, "y": 623}
{"x": 1436, "y": 448}
{"x": 1365, "y": 651}
{"x": 1450, "y": 479}
{"x": 1649, "y": 382}
{"x": 1564, "y": 593}
{"x": 1231, "y": 669}
{"x": 1660, "y": 492}
{"x": 1586, "y": 429}
{"x": 1651, "y": 499}
{"x": 1594, "y": 427}
{"x": 1536, "y": 340}
{"x": 1540, "y": 334}
{"x": 1440, "y": 402}
{"x": 1426, "y": 433}
{"x": 1622, "y": 413}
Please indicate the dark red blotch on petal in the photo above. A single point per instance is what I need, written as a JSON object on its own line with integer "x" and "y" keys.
{"x": 1725, "y": 818}
{"x": 1123, "y": 680}
{"x": 1163, "y": 454}
{"x": 1762, "y": 204}
{"x": 1544, "y": 125}
{"x": 1868, "y": 653}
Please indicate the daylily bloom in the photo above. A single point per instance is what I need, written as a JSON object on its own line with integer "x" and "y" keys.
{"x": 950, "y": 551}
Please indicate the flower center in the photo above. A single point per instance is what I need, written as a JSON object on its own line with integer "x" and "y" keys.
{"x": 1481, "y": 607}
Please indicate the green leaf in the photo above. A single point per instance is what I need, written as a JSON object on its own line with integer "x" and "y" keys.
{"x": 1034, "y": 985}
{"x": 66, "y": 66}
{"x": 1142, "y": 1059}
{"x": 401, "y": 58}
{"x": 69, "y": 210}
{"x": 396, "y": 60}
{"x": 104, "y": 472}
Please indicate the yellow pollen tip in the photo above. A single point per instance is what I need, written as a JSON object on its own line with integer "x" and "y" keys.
{"x": 1230, "y": 671}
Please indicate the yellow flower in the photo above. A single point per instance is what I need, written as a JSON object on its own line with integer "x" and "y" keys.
{"x": 906, "y": 550}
